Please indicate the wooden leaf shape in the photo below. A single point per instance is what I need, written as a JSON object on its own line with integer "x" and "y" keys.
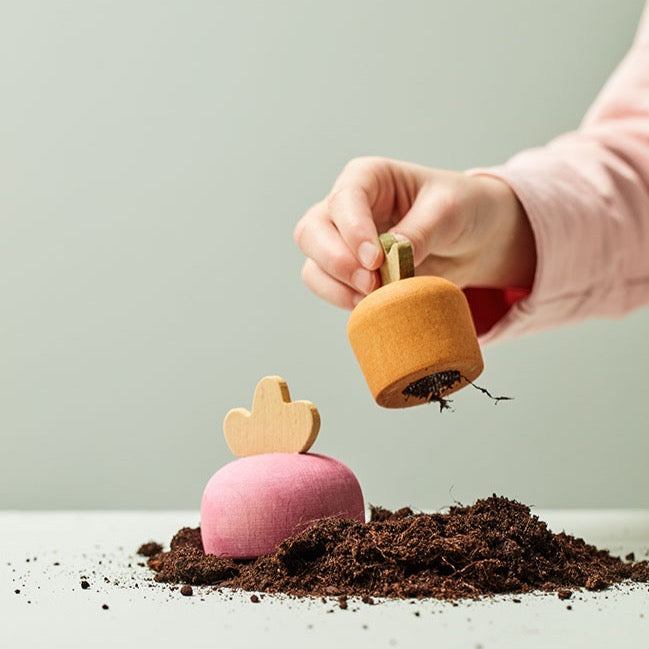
{"x": 275, "y": 425}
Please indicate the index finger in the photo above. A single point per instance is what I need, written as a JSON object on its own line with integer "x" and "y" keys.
{"x": 350, "y": 209}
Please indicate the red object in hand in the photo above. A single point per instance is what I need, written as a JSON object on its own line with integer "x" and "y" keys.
{"x": 489, "y": 305}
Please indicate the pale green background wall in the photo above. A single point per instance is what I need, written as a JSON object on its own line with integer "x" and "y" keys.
{"x": 154, "y": 157}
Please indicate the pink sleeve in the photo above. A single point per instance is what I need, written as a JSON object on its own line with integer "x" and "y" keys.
{"x": 587, "y": 198}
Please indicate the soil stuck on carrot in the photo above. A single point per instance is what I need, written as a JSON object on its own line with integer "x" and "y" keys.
{"x": 433, "y": 387}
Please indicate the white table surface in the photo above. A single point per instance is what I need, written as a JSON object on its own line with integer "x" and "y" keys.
{"x": 53, "y": 611}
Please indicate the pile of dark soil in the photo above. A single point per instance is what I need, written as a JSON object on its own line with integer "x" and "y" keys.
{"x": 494, "y": 546}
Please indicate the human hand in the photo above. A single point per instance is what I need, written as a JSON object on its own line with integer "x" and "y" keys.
{"x": 471, "y": 230}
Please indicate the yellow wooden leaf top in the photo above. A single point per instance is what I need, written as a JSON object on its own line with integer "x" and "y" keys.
{"x": 274, "y": 425}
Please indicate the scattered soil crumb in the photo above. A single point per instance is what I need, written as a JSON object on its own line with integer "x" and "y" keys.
{"x": 149, "y": 549}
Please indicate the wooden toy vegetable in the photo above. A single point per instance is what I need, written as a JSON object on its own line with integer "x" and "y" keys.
{"x": 276, "y": 488}
{"x": 414, "y": 337}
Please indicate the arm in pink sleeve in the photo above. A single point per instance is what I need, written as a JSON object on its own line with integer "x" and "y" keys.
{"x": 586, "y": 195}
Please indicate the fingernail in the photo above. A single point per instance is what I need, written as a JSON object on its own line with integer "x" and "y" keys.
{"x": 363, "y": 281}
{"x": 367, "y": 253}
{"x": 400, "y": 237}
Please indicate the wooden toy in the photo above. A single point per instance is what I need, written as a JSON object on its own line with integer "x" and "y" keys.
{"x": 275, "y": 489}
{"x": 413, "y": 337}
{"x": 275, "y": 424}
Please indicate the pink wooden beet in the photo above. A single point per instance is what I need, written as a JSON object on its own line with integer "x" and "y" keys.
{"x": 252, "y": 504}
